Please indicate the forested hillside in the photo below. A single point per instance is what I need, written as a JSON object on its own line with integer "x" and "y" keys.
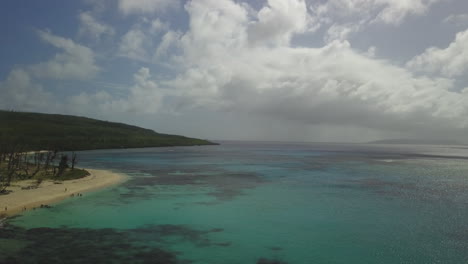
{"x": 36, "y": 131}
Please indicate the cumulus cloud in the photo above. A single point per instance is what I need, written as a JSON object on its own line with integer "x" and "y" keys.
{"x": 222, "y": 65}
{"x": 335, "y": 84}
{"x": 451, "y": 61}
{"x": 144, "y": 96}
{"x": 76, "y": 62}
{"x": 140, "y": 42}
{"x": 20, "y": 92}
{"x": 22, "y": 89}
{"x": 170, "y": 39}
{"x": 278, "y": 20}
{"x": 158, "y": 26}
{"x": 145, "y": 6}
{"x": 89, "y": 26}
{"x": 133, "y": 45}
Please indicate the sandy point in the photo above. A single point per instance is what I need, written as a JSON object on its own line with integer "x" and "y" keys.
{"x": 49, "y": 192}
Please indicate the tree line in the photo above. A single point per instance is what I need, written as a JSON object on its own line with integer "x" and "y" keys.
{"x": 17, "y": 164}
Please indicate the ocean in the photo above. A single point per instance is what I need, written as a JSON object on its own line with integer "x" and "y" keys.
{"x": 258, "y": 203}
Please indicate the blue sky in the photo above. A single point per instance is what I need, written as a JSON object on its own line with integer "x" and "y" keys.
{"x": 300, "y": 70}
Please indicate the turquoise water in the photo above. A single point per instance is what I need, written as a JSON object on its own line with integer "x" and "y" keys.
{"x": 257, "y": 203}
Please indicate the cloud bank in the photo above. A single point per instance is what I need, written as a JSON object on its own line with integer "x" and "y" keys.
{"x": 224, "y": 64}
{"x": 233, "y": 58}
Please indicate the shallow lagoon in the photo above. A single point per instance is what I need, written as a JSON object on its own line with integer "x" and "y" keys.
{"x": 263, "y": 203}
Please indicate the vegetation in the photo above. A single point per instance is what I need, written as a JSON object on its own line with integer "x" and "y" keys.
{"x": 71, "y": 174}
{"x": 21, "y": 132}
{"x": 36, "y": 131}
{"x": 16, "y": 165}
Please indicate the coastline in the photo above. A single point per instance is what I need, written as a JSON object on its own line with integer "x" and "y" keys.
{"x": 48, "y": 192}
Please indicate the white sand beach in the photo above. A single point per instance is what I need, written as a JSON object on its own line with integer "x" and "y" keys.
{"x": 49, "y": 192}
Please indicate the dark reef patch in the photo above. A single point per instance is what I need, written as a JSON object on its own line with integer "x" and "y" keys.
{"x": 275, "y": 248}
{"x": 160, "y": 233}
{"x": 223, "y": 244}
{"x": 270, "y": 261}
{"x": 220, "y": 184}
{"x": 84, "y": 245}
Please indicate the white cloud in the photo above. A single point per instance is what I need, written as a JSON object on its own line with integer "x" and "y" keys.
{"x": 20, "y": 92}
{"x": 97, "y": 103}
{"x": 345, "y": 17}
{"x": 89, "y": 26}
{"x": 76, "y": 62}
{"x": 144, "y": 96}
{"x": 145, "y": 6}
{"x": 158, "y": 26}
{"x": 171, "y": 38}
{"x": 329, "y": 85}
{"x": 383, "y": 11}
{"x": 140, "y": 42}
{"x": 22, "y": 89}
{"x": 395, "y": 11}
{"x": 451, "y": 61}
{"x": 371, "y": 51}
{"x": 340, "y": 32}
{"x": 98, "y": 6}
{"x": 133, "y": 45}
{"x": 223, "y": 65}
{"x": 278, "y": 21}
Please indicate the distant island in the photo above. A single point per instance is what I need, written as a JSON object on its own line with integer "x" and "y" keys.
{"x": 37, "y": 131}
{"x": 416, "y": 142}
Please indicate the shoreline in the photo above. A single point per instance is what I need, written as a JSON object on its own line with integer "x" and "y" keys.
{"x": 48, "y": 192}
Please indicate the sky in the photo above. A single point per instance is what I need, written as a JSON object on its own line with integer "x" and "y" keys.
{"x": 274, "y": 70}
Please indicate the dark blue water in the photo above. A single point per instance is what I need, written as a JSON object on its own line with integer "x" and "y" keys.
{"x": 246, "y": 202}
